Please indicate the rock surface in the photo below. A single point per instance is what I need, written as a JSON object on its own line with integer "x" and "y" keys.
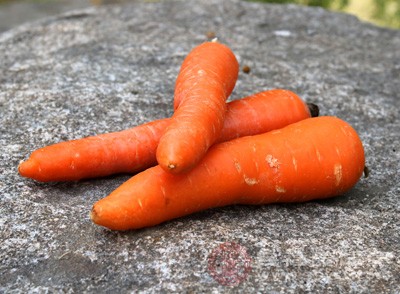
{"x": 106, "y": 69}
{"x": 13, "y": 13}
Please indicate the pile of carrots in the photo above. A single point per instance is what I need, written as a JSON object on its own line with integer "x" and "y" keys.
{"x": 266, "y": 148}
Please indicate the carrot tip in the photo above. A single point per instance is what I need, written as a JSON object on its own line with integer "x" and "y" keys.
{"x": 26, "y": 168}
{"x": 93, "y": 215}
{"x": 366, "y": 171}
{"x": 171, "y": 166}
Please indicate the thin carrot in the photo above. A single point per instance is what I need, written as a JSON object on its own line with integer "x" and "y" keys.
{"x": 134, "y": 150}
{"x": 130, "y": 150}
{"x": 206, "y": 79}
{"x": 293, "y": 164}
{"x": 263, "y": 112}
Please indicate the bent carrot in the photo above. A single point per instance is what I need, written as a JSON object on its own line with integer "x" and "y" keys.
{"x": 294, "y": 164}
{"x": 206, "y": 79}
{"x": 134, "y": 149}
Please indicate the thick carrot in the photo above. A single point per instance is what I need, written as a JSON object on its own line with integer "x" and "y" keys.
{"x": 293, "y": 164}
{"x": 206, "y": 79}
{"x": 134, "y": 150}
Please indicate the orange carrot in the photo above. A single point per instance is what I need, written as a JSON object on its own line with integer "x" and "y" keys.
{"x": 206, "y": 79}
{"x": 134, "y": 150}
{"x": 293, "y": 164}
{"x": 96, "y": 156}
{"x": 263, "y": 112}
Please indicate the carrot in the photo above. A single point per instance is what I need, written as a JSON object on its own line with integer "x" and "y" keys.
{"x": 206, "y": 79}
{"x": 293, "y": 164}
{"x": 134, "y": 150}
{"x": 263, "y": 112}
{"x": 96, "y": 156}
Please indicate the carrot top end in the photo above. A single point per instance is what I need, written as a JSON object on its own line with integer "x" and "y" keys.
{"x": 314, "y": 109}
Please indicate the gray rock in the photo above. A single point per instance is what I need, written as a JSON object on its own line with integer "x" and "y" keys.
{"x": 106, "y": 69}
{"x": 13, "y": 13}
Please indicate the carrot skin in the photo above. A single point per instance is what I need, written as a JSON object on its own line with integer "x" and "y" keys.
{"x": 126, "y": 151}
{"x": 206, "y": 79}
{"x": 202, "y": 63}
{"x": 293, "y": 164}
{"x": 134, "y": 149}
{"x": 262, "y": 112}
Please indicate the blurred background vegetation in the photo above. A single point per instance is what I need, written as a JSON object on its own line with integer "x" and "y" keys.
{"x": 380, "y": 12}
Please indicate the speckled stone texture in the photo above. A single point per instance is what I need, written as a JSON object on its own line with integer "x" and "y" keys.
{"x": 110, "y": 68}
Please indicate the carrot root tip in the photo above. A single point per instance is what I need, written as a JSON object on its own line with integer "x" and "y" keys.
{"x": 314, "y": 109}
{"x": 93, "y": 215}
{"x": 171, "y": 166}
{"x": 19, "y": 166}
{"x": 27, "y": 168}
